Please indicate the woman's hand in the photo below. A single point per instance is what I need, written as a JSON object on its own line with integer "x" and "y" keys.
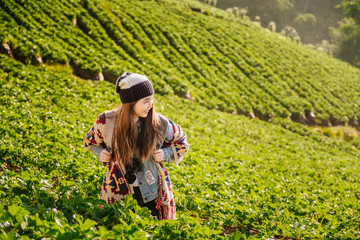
{"x": 105, "y": 155}
{"x": 158, "y": 155}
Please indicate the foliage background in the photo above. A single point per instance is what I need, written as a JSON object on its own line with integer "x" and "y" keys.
{"x": 243, "y": 177}
{"x": 331, "y": 26}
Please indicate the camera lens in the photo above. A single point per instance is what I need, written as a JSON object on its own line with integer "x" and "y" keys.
{"x": 132, "y": 171}
{"x": 130, "y": 176}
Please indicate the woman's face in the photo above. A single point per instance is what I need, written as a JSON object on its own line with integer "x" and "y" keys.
{"x": 143, "y": 106}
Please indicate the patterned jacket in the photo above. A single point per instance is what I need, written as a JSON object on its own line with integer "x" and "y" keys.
{"x": 175, "y": 146}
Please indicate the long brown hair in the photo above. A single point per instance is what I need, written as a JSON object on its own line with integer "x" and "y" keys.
{"x": 125, "y": 140}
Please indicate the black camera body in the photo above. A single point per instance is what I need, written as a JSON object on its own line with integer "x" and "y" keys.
{"x": 132, "y": 171}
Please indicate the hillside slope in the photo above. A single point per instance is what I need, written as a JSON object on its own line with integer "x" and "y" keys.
{"x": 188, "y": 48}
{"x": 250, "y": 175}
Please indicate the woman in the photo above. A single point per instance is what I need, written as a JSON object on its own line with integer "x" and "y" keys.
{"x": 134, "y": 140}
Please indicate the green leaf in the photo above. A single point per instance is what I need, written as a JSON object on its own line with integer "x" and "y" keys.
{"x": 235, "y": 235}
{"x": 14, "y": 209}
{"x": 88, "y": 224}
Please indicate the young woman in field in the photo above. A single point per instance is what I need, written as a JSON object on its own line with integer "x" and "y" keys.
{"x": 133, "y": 140}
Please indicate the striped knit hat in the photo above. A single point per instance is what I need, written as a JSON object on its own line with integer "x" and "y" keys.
{"x": 132, "y": 87}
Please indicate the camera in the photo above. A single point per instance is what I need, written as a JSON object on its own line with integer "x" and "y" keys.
{"x": 132, "y": 171}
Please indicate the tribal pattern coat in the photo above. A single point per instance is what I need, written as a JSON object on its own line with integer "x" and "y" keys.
{"x": 152, "y": 181}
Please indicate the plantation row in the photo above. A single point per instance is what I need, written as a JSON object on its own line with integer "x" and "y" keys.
{"x": 240, "y": 173}
{"x": 231, "y": 65}
{"x": 50, "y": 184}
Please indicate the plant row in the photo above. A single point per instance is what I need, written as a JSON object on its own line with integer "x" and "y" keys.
{"x": 243, "y": 174}
{"x": 219, "y": 62}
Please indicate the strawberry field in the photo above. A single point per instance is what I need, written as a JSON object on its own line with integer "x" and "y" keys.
{"x": 241, "y": 179}
{"x": 187, "y": 48}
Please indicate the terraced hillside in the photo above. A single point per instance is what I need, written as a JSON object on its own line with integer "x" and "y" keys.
{"x": 249, "y": 177}
{"x": 187, "y": 48}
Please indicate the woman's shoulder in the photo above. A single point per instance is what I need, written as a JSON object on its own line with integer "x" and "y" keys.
{"x": 161, "y": 117}
{"x": 108, "y": 114}
{"x": 111, "y": 113}
{"x": 163, "y": 122}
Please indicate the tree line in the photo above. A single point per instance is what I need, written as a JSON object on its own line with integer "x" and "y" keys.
{"x": 328, "y": 25}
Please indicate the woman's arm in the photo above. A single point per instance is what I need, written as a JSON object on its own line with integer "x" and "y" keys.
{"x": 175, "y": 145}
{"x": 94, "y": 139}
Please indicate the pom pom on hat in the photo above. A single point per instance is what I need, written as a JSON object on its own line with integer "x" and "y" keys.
{"x": 132, "y": 87}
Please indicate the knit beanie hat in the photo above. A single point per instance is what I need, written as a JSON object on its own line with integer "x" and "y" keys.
{"x": 132, "y": 87}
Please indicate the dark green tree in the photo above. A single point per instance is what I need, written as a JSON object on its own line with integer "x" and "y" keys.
{"x": 349, "y": 45}
{"x": 352, "y": 10}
